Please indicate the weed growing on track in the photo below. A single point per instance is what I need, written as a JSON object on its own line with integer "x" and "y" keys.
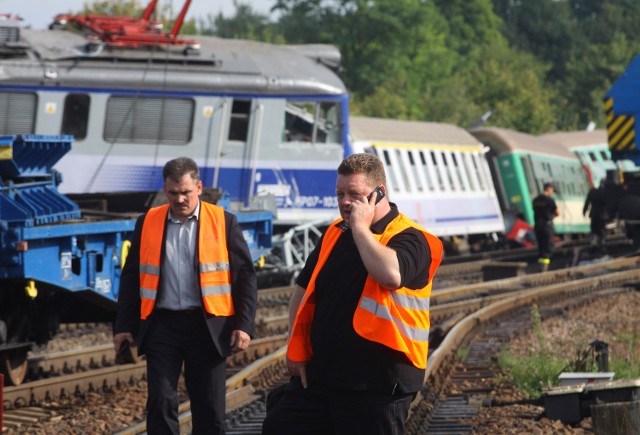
{"x": 627, "y": 365}
{"x": 538, "y": 368}
{"x": 533, "y": 373}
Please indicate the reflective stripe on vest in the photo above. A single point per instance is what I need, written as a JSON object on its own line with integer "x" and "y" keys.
{"x": 213, "y": 259}
{"x": 398, "y": 319}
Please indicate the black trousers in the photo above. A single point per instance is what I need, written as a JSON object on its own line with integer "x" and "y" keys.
{"x": 544, "y": 237}
{"x": 322, "y": 410}
{"x": 598, "y": 230}
{"x": 174, "y": 339}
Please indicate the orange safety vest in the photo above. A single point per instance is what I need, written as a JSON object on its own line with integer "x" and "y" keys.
{"x": 398, "y": 319}
{"x": 213, "y": 259}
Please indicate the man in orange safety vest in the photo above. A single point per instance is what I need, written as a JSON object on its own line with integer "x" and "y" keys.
{"x": 359, "y": 316}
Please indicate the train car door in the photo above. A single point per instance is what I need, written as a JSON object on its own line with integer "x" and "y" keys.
{"x": 232, "y": 147}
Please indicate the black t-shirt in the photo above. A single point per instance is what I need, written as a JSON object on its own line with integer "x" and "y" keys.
{"x": 544, "y": 209}
{"x": 341, "y": 358}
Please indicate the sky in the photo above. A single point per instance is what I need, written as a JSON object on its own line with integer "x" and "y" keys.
{"x": 39, "y": 13}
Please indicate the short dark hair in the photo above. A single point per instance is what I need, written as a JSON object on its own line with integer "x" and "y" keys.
{"x": 364, "y": 163}
{"x": 177, "y": 168}
{"x": 548, "y": 185}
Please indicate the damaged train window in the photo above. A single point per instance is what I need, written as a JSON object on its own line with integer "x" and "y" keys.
{"x": 311, "y": 121}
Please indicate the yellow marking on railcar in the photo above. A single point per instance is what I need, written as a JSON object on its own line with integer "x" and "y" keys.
{"x": 620, "y": 129}
{"x": 618, "y": 120}
{"x": 628, "y": 141}
{"x": 6, "y": 152}
{"x": 464, "y": 148}
{"x": 623, "y": 131}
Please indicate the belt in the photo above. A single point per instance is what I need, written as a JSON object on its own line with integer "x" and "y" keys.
{"x": 190, "y": 312}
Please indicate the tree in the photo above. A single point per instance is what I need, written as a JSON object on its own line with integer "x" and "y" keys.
{"x": 379, "y": 39}
{"x": 245, "y": 24}
{"x": 472, "y": 24}
{"x": 127, "y": 8}
{"x": 586, "y": 44}
{"x": 545, "y": 28}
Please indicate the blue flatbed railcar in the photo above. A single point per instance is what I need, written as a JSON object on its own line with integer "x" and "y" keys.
{"x": 58, "y": 264}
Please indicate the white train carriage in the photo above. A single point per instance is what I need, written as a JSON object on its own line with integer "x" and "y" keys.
{"x": 437, "y": 174}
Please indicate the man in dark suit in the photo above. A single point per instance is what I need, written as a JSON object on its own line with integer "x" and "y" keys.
{"x": 188, "y": 294}
{"x": 596, "y": 205}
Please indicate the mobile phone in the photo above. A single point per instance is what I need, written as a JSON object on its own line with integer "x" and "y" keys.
{"x": 125, "y": 355}
{"x": 379, "y": 194}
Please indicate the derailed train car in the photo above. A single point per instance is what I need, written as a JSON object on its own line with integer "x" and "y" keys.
{"x": 521, "y": 163}
{"x": 438, "y": 175}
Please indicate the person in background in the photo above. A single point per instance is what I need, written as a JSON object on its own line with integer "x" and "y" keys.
{"x": 544, "y": 211}
{"x": 596, "y": 205}
{"x": 188, "y": 293}
{"x": 358, "y": 316}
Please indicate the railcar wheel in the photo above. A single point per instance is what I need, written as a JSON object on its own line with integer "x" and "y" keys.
{"x": 13, "y": 365}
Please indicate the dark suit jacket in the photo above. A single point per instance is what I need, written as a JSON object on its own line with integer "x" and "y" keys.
{"x": 243, "y": 289}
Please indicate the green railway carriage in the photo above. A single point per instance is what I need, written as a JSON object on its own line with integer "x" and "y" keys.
{"x": 592, "y": 150}
{"x": 522, "y": 163}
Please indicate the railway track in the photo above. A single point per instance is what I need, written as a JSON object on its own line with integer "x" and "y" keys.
{"x": 433, "y": 406}
{"x": 49, "y": 363}
{"x": 484, "y": 336}
{"x": 247, "y": 388}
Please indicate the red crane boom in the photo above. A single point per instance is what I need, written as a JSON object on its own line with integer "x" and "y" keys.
{"x": 130, "y": 32}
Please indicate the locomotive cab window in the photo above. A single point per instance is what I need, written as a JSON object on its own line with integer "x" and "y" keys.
{"x": 76, "y": 115}
{"x": 240, "y": 116}
{"x": 149, "y": 120}
{"x": 17, "y": 112}
{"x": 314, "y": 122}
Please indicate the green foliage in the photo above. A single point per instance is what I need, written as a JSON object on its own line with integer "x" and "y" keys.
{"x": 127, "y": 8}
{"x": 586, "y": 44}
{"x": 540, "y": 369}
{"x": 245, "y": 24}
{"x": 462, "y": 353}
{"x": 625, "y": 368}
{"x": 472, "y": 24}
{"x": 627, "y": 364}
{"x": 537, "y": 371}
{"x": 532, "y": 374}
